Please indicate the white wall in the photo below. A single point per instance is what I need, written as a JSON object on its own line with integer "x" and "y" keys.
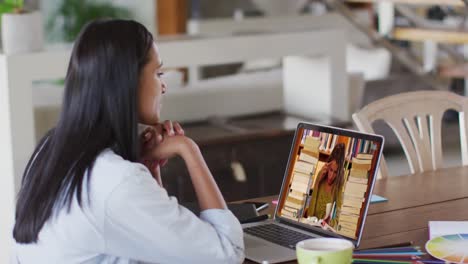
{"x": 7, "y": 185}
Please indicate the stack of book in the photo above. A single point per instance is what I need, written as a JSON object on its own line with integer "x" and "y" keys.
{"x": 292, "y": 208}
{"x": 354, "y": 195}
{"x": 309, "y": 155}
{"x": 303, "y": 171}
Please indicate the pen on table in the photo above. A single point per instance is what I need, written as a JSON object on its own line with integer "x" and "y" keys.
{"x": 256, "y": 219}
{"x": 388, "y": 258}
{"x": 360, "y": 261}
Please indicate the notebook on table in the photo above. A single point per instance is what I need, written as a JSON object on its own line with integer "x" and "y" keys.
{"x": 442, "y": 228}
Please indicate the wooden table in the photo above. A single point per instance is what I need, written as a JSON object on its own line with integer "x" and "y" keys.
{"x": 413, "y": 200}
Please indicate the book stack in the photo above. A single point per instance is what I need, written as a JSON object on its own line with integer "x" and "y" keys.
{"x": 303, "y": 170}
{"x": 297, "y": 191}
{"x": 309, "y": 157}
{"x": 310, "y": 152}
{"x": 292, "y": 208}
{"x": 354, "y": 195}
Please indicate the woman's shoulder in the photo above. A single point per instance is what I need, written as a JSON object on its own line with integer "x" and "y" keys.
{"x": 110, "y": 169}
{"x": 110, "y": 160}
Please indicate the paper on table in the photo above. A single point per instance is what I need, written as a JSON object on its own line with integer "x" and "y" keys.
{"x": 440, "y": 228}
{"x": 377, "y": 199}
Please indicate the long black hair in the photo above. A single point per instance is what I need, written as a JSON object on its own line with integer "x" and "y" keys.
{"x": 99, "y": 111}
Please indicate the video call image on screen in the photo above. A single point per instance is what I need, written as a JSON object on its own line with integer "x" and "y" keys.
{"x": 329, "y": 180}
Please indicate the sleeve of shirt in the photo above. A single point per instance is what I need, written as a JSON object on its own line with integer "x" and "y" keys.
{"x": 143, "y": 223}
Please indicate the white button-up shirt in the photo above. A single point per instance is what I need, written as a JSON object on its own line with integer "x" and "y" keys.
{"x": 131, "y": 219}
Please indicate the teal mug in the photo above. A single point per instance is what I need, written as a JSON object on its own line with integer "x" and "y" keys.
{"x": 324, "y": 251}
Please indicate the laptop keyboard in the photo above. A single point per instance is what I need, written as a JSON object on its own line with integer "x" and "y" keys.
{"x": 277, "y": 234}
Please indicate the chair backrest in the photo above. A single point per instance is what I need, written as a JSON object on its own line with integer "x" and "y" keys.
{"x": 416, "y": 120}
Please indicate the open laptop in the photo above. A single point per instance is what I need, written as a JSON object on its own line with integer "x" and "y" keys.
{"x": 326, "y": 192}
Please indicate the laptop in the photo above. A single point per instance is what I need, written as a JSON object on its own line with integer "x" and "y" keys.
{"x": 325, "y": 192}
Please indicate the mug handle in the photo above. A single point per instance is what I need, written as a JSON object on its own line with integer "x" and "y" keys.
{"x": 315, "y": 260}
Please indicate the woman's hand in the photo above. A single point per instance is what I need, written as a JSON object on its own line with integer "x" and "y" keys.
{"x": 325, "y": 167}
{"x": 177, "y": 145}
{"x": 154, "y": 135}
{"x": 324, "y": 171}
{"x": 169, "y": 129}
{"x": 151, "y": 138}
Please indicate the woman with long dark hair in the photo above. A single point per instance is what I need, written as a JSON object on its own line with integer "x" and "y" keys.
{"x": 92, "y": 192}
{"x": 328, "y": 185}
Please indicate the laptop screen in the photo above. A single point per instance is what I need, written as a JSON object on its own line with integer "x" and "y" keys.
{"x": 329, "y": 179}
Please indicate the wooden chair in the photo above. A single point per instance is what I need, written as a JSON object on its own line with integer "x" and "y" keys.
{"x": 416, "y": 119}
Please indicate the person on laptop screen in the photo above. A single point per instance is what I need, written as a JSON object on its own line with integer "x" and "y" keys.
{"x": 329, "y": 181}
{"x": 328, "y": 186}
